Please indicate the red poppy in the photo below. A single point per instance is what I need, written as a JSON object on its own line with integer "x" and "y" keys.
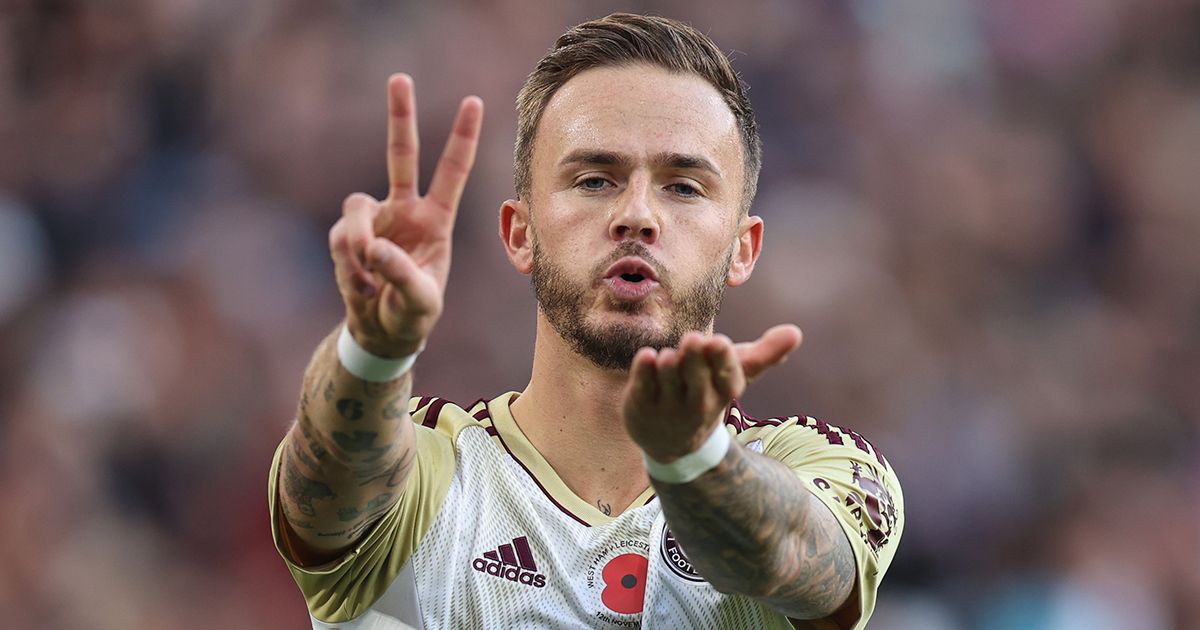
{"x": 625, "y": 580}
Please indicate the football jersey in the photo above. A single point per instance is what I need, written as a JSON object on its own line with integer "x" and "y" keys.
{"x": 486, "y": 535}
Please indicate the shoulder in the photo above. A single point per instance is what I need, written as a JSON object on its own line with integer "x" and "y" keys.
{"x": 844, "y": 470}
{"x": 444, "y": 416}
{"x": 802, "y": 432}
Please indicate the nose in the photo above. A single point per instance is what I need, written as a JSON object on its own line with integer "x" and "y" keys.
{"x": 634, "y": 217}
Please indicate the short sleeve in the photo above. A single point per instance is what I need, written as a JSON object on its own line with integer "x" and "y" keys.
{"x": 345, "y": 588}
{"x": 854, "y": 480}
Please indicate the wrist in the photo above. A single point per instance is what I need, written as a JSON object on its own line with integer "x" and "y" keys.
{"x": 688, "y": 467}
{"x": 369, "y": 366}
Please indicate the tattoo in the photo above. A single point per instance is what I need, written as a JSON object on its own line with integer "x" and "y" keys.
{"x": 359, "y": 442}
{"x": 356, "y": 531}
{"x": 351, "y": 513}
{"x": 395, "y": 408}
{"x": 367, "y": 521}
{"x": 395, "y": 474}
{"x": 750, "y": 526}
{"x": 379, "y": 390}
{"x": 604, "y": 507}
{"x": 310, "y": 437}
{"x": 292, "y": 520}
{"x": 329, "y": 391}
{"x": 350, "y": 408}
{"x": 305, "y": 458}
{"x": 400, "y": 472}
{"x": 302, "y": 490}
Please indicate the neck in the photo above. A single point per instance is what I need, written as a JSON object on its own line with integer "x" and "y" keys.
{"x": 570, "y": 411}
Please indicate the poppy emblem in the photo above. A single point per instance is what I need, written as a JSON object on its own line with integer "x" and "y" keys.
{"x": 625, "y": 583}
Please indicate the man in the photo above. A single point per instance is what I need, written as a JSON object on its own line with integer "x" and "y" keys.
{"x": 623, "y": 486}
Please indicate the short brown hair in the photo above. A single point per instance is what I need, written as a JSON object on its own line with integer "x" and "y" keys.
{"x": 622, "y": 39}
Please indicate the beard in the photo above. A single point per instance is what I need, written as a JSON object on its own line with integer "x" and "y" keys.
{"x": 612, "y": 346}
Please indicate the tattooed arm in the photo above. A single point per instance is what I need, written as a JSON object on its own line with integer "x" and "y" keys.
{"x": 346, "y": 457}
{"x": 750, "y": 526}
{"x": 350, "y": 451}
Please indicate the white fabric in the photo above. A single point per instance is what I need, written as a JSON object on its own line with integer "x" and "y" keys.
{"x": 493, "y": 501}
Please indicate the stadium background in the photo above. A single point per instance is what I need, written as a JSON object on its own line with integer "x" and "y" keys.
{"x": 983, "y": 214}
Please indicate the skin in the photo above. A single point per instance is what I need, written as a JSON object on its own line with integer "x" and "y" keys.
{"x": 749, "y": 525}
{"x": 350, "y": 451}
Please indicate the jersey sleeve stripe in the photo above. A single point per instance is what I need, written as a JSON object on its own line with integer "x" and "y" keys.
{"x": 435, "y": 410}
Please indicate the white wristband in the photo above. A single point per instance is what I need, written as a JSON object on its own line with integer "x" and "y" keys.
{"x": 694, "y": 464}
{"x": 367, "y": 366}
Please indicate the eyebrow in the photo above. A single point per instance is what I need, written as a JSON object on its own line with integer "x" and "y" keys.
{"x": 682, "y": 161}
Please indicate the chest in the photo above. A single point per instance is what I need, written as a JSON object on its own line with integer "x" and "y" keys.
{"x": 503, "y": 553}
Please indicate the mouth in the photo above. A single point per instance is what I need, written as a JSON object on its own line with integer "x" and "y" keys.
{"x": 631, "y": 278}
{"x": 631, "y": 269}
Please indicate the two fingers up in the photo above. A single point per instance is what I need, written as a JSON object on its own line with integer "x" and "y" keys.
{"x": 392, "y": 257}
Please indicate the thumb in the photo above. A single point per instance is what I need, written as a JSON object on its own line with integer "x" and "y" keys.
{"x": 768, "y": 350}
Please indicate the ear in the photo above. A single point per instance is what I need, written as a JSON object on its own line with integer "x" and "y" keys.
{"x": 746, "y": 250}
{"x": 514, "y": 233}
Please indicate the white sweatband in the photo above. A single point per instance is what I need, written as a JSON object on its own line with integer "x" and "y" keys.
{"x": 367, "y": 366}
{"x": 693, "y": 464}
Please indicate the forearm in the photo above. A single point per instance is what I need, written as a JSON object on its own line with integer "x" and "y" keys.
{"x": 347, "y": 455}
{"x": 750, "y": 526}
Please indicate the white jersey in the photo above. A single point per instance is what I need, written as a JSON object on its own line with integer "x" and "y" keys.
{"x": 487, "y": 536}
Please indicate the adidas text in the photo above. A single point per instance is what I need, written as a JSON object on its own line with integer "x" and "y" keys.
{"x": 510, "y": 573}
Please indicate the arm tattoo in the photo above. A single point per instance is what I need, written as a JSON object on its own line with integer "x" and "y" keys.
{"x": 301, "y": 489}
{"x": 350, "y": 408}
{"x": 750, "y": 526}
{"x": 348, "y": 455}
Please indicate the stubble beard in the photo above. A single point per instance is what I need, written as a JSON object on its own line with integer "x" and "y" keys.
{"x": 612, "y": 346}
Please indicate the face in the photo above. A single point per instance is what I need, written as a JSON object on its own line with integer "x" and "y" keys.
{"x": 634, "y": 222}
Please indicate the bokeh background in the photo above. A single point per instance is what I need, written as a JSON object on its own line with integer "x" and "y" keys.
{"x": 985, "y": 215}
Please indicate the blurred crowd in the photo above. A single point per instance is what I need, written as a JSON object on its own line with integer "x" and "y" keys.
{"x": 985, "y": 215}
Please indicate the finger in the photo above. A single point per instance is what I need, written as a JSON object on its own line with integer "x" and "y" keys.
{"x": 728, "y": 377}
{"x": 347, "y": 246}
{"x": 403, "y": 143}
{"x": 643, "y": 379}
{"x": 670, "y": 387}
{"x": 694, "y": 369}
{"x": 458, "y": 157}
{"x": 768, "y": 350}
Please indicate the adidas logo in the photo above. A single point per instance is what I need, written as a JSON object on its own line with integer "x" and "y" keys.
{"x": 513, "y": 562}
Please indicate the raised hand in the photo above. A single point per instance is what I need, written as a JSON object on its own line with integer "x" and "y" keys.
{"x": 675, "y": 397}
{"x": 392, "y": 257}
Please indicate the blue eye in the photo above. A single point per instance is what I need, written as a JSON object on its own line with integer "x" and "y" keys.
{"x": 684, "y": 190}
{"x": 593, "y": 183}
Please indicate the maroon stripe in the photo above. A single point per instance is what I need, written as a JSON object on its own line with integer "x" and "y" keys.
{"x": 507, "y": 555}
{"x": 421, "y": 402}
{"x": 524, "y": 553}
{"x": 476, "y": 404}
{"x": 491, "y": 430}
{"x": 491, "y": 555}
{"x": 736, "y": 420}
{"x": 539, "y": 484}
{"x": 435, "y": 409}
